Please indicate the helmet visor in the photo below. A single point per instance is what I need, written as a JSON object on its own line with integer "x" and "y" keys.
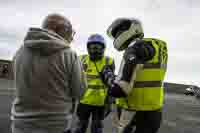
{"x": 120, "y": 28}
{"x": 95, "y": 47}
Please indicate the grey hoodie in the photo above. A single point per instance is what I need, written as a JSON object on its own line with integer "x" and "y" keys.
{"x": 48, "y": 74}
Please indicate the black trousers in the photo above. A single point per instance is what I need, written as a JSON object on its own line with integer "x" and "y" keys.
{"x": 145, "y": 122}
{"x": 84, "y": 112}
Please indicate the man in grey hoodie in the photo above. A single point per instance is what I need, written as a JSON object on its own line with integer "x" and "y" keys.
{"x": 48, "y": 77}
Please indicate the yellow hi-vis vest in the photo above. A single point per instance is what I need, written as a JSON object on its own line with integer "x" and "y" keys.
{"x": 148, "y": 91}
{"x": 96, "y": 92}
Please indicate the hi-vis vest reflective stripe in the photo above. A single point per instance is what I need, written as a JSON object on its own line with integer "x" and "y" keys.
{"x": 96, "y": 91}
{"x": 148, "y": 92}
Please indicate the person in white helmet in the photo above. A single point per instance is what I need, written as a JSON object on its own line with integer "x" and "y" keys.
{"x": 139, "y": 84}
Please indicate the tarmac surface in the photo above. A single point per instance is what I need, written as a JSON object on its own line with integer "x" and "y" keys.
{"x": 181, "y": 114}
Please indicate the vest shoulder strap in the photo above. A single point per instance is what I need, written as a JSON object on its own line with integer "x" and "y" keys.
{"x": 157, "y": 41}
{"x": 162, "y": 53}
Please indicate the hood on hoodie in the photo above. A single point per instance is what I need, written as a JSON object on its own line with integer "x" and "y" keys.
{"x": 44, "y": 41}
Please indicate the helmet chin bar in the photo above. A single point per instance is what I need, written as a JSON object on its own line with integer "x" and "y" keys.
{"x": 95, "y": 57}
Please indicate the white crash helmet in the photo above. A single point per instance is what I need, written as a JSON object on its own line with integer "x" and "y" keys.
{"x": 124, "y": 31}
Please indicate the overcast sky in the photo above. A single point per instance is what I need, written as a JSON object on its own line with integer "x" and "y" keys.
{"x": 175, "y": 21}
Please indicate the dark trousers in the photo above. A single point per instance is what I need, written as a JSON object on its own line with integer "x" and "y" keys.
{"x": 145, "y": 122}
{"x": 84, "y": 112}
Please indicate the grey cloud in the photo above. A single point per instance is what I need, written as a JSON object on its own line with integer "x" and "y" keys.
{"x": 7, "y": 52}
{"x": 6, "y": 35}
{"x": 153, "y": 5}
{"x": 189, "y": 3}
{"x": 142, "y": 4}
{"x": 9, "y": 42}
{"x": 38, "y": 3}
{"x": 175, "y": 21}
{"x": 184, "y": 68}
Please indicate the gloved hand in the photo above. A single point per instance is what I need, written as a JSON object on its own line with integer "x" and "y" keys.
{"x": 116, "y": 91}
{"x": 107, "y": 75}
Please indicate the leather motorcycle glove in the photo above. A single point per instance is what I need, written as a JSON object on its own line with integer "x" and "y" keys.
{"x": 107, "y": 75}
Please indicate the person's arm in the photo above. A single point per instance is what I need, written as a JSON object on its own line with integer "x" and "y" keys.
{"x": 139, "y": 53}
